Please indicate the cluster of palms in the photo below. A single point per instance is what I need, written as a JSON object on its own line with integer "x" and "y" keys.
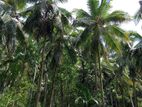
{"x": 50, "y": 59}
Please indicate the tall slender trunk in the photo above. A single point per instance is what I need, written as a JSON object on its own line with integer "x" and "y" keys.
{"x": 96, "y": 79}
{"x": 62, "y": 94}
{"x": 40, "y": 78}
{"x": 68, "y": 95}
{"x": 101, "y": 78}
{"x": 123, "y": 99}
{"x": 132, "y": 102}
{"x": 45, "y": 91}
{"x": 52, "y": 94}
{"x": 111, "y": 97}
{"x": 52, "y": 89}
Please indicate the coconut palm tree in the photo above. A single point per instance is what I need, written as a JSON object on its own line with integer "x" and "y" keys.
{"x": 101, "y": 31}
{"x": 48, "y": 24}
{"x": 130, "y": 66}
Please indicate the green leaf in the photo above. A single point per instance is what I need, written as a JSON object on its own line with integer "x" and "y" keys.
{"x": 112, "y": 42}
{"x": 20, "y": 4}
{"x": 65, "y": 12}
{"x": 20, "y": 36}
{"x": 64, "y": 20}
{"x": 128, "y": 80}
{"x": 139, "y": 45}
{"x": 117, "y": 32}
{"x": 134, "y": 35}
{"x": 138, "y": 16}
{"x": 71, "y": 53}
{"x": 93, "y": 6}
{"x": 83, "y": 37}
{"x": 117, "y": 17}
{"x": 80, "y": 13}
{"x": 103, "y": 8}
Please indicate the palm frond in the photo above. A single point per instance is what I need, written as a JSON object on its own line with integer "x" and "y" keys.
{"x": 80, "y": 13}
{"x": 112, "y": 42}
{"x": 138, "y": 14}
{"x": 135, "y": 35}
{"x": 118, "y": 32}
{"x": 83, "y": 37}
{"x": 65, "y": 12}
{"x": 26, "y": 11}
{"x": 65, "y": 16}
{"x": 83, "y": 22}
{"x": 71, "y": 53}
{"x": 64, "y": 19}
{"x": 104, "y": 8}
{"x": 117, "y": 17}
{"x": 18, "y": 4}
{"x": 139, "y": 45}
{"x": 93, "y": 6}
{"x": 104, "y": 51}
{"x": 33, "y": 20}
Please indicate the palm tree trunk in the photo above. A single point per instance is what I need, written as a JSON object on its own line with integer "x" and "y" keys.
{"x": 40, "y": 79}
{"x": 45, "y": 90}
{"x": 101, "y": 78}
{"x": 111, "y": 97}
{"x": 96, "y": 79}
{"x": 132, "y": 102}
{"x": 62, "y": 94}
{"x": 52, "y": 89}
{"x": 68, "y": 94}
{"x": 52, "y": 95}
{"x": 123, "y": 97}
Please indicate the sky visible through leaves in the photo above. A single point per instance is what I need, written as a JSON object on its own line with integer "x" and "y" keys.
{"x": 130, "y": 6}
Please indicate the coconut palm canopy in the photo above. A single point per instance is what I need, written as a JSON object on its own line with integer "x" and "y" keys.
{"x": 49, "y": 58}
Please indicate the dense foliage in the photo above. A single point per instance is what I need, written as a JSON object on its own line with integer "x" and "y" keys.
{"x": 48, "y": 58}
